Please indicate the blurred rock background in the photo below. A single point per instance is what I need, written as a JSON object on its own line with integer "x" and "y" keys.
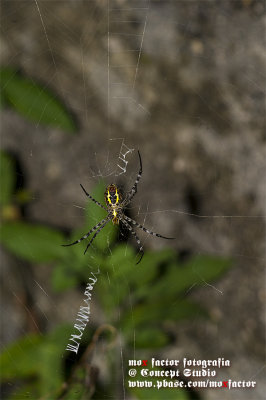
{"x": 185, "y": 86}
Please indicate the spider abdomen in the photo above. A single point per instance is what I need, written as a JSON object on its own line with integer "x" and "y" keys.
{"x": 113, "y": 199}
{"x": 112, "y": 195}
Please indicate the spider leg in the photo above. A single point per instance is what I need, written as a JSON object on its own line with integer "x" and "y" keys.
{"x": 136, "y": 237}
{"x": 96, "y": 233}
{"x": 144, "y": 229}
{"x": 104, "y": 221}
{"x": 95, "y": 201}
{"x": 133, "y": 191}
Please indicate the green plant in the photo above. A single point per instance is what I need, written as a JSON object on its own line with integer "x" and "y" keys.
{"x": 138, "y": 301}
{"x": 33, "y": 101}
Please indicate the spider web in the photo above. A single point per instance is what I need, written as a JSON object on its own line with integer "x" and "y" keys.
{"x": 125, "y": 59}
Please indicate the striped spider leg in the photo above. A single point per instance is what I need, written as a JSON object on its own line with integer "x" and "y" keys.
{"x": 100, "y": 225}
{"x": 125, "y": 220}
{"x": 129, "y": 227}
{"x": 134, "y": 189}
{"x": 90, "y": 197}
{"x": 144, "y": 229}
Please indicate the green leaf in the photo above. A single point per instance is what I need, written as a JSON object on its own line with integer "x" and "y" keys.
{"x": 198, "y": 270}
{"x": 16, "y": 360}
{"x": 34, "y": 102}
{"x": 110, "y": 295}
{"x": 149, "y": 338}
{"x": 50, "y": 356}
{"x": 147, "y": 270}
{"x": 63, "y": 278}
{"x": 34, "y": 243}
{"x": 155, "y": 313}
{"x": 39, "y": 358}
{"x": 113, "y": 288}
{"x": 7, "y": 177}
{"x": 51, "y": 374}
{"x": 207, "y": 268}
{"x": 121, "y": 262}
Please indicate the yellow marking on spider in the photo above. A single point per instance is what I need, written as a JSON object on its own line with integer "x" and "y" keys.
{"x": 109, "y": 198}
{"x": 115, "y": 220}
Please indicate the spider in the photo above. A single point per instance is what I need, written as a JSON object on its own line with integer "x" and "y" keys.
{"x": 115, "y": 207}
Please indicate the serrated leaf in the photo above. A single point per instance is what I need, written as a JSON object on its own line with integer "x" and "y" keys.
{"x": 35, "y": 102}
{"x": 34, "y": 243}
{"x": 7, "y": 178}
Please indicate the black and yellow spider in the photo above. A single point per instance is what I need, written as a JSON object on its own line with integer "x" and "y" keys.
{"x": 115, "y": 212}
